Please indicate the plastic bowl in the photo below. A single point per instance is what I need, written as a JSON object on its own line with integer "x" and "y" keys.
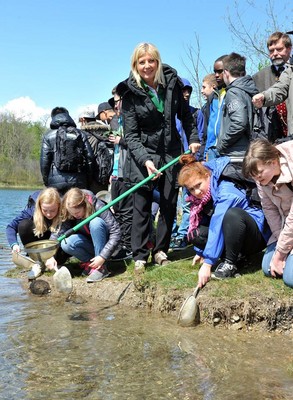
{"x": 42, "y": 250}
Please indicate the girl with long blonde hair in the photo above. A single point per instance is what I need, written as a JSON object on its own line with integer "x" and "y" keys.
{"x": 95, "y": 241}
{"x": 40, "y": 220}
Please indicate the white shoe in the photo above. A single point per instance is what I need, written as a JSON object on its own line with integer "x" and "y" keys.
{"x": 34, "y": 272}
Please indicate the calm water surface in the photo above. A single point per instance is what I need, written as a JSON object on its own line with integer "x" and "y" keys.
{"x": 52, "y": 349}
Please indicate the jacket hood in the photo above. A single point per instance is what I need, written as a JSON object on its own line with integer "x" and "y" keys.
{"x": 216, "y": 167}
{"x": 62, "y": 119}
{"x": 186, "y": 83}
{"x": 244, "y": 83}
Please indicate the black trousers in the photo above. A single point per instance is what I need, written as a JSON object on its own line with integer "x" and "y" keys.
{"x": 241, "y": 235}
{"x": 123, "y": 210}
{"x": 142, "y": 211}
{"x": 26, "y": 234}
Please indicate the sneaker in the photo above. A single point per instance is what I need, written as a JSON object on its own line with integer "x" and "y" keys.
{"x": 123, "y": 254}
{"x": 139, "y": 267}
{"x": 97, "y": 275}
{"x": 34, "y": 272}
{"x": 160, "y": 258}
{"x": 178, "y": 244}
{"x": 224, "y": 270}
{"x": 85, "y": 266}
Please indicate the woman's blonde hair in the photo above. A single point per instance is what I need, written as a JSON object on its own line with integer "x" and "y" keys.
{"x": 75, "y": 198}
{"x": 49, "y": 196}
{"x": 140, "y": 50}
{"x": 191, "y": 169}
{"x": 259, "y": 150}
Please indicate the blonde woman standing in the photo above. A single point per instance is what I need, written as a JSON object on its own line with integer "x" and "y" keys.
{"x": 149, "y": 107}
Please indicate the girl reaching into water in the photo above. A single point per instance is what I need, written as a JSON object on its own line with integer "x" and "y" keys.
{"x": 95, "y": 242}
{"x": 223, "y": 225}
{"x": 271, "y": 166}
{"x": 39, "y": 220}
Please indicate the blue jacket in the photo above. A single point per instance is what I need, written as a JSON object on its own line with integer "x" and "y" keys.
{"x": 225, "y": 195}
{"x": 27, "y": 213}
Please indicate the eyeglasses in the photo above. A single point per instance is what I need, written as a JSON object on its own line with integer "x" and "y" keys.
{"x": 218, "y": 71}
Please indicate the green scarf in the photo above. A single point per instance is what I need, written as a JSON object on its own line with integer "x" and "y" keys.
{"x": 159, "y": 100}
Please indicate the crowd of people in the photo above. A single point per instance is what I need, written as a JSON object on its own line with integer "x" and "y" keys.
{"x": 147, "y": 123}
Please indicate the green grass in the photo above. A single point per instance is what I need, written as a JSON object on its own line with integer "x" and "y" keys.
{"x": 180, "y": 275}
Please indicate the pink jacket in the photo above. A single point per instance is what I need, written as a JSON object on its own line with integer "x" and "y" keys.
{"x": 277, "y": 201}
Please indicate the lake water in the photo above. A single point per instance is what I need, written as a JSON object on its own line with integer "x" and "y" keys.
{"x": 52, "y": 349}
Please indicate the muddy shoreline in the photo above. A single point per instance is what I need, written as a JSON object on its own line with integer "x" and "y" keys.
{"x": 254, "y": 312}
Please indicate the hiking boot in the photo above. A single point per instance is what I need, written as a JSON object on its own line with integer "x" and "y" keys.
{"x": 97, "y": 275}
{"x": 178, "y": 244}
{"x": 225, "y": 270}
{"x": 139, "y": 266}
{"x": 123, "y": 254}
{"x": 34, "y": 272}
{"x": 160, "y": 258}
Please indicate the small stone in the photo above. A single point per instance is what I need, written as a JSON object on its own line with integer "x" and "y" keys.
{"x": 237, "y": 326}
{"x": 40, "y": 287}
{"x": 235, "y": 318}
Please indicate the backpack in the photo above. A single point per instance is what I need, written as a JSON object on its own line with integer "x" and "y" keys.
{"x": 69, "y": 148}
{"x": 104, "y": 163}
{"x": 233, "y": 173}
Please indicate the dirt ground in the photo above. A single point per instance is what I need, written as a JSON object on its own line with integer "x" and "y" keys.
{"x": 255, "y": 312}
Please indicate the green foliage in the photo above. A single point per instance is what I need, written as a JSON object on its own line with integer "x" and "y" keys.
{"x": 20, "y": 144}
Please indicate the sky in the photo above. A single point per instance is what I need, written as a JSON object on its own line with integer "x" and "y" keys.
{"x": 72, "y": 53}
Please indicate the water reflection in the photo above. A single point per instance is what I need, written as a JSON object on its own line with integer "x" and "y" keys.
{"x": 53, "y": 349}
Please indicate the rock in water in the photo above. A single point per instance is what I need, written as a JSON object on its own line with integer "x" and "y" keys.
{"x": 40, "y": 287}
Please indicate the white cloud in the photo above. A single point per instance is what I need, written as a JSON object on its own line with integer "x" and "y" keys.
{"x": 25, "y": 109}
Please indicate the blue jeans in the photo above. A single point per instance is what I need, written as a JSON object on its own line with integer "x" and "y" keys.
{"x": 181, "y": 230}
{"x": 288, "y": 270}
{"x": 86, "y": 247}
{"x": 212, "y": 153}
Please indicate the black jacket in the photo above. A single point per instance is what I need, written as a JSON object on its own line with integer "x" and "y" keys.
{"x": 61, "y": 180}
{"x": 237, "y": 119}
{"x": 150, "y": 134}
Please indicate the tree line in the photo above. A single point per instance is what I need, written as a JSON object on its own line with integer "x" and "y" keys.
{"x": 20, "y": 144}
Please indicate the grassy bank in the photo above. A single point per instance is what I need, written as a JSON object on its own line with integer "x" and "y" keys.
{"x": 249, "y": 301}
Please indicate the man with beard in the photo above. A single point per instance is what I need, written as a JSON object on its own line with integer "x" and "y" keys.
{"x": 275, "y": 117}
